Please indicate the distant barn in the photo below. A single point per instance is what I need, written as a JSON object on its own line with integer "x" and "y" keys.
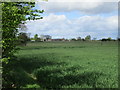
{"x": 58, "y": 39}
{"x": 45, "y": 37}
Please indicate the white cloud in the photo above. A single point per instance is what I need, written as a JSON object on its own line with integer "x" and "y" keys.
{"x": 78, "y": 0}
{"x": 82, "y": 7}
{"x": 60, "y": 26}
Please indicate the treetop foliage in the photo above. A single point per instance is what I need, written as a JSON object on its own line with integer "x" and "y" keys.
{"x": 14, "y": 14}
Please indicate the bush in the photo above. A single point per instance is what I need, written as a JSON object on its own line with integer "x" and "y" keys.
{"x": 32, "y": 86}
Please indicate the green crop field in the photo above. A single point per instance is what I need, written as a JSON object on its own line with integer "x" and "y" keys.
{"x": 67, "y": 65}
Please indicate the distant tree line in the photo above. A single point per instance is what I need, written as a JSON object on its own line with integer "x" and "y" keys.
{"x": 23, "y": 38}
{"x": 88, "y": 38}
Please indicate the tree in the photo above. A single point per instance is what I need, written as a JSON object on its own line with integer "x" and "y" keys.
{"x": 87, "y": 38}
{"x": 109, "y": 39}
{"x": 73, "y": 39}
{"x": 79, "y": 38}
{"x": 118, "y": 39}
{"x": 36, "y": 37}
{"x": 23, "y": 38}
{"x": 13, "y": 15}
{"x": 103, "y": 39}
{"x": 83, "y": 39}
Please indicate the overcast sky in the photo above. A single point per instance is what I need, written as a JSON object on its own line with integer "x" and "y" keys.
{"x": 73, "y": 19}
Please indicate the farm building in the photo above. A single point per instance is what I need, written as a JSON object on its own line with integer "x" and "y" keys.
{"x": 58, "y": 39}
{"x": 45, "y": 37}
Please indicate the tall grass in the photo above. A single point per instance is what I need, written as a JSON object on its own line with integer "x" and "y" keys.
{"x": 49, "y": 65}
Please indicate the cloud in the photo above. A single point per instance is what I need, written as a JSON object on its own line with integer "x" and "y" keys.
{"x": 59, "y": 26}
{"x": 82, "y": 7}
{"x": 78, "y": 0}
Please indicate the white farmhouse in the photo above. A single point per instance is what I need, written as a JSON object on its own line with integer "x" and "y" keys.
{"x": 45, "y": 37}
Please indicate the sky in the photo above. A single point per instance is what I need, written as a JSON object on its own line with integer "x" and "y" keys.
{"x": 76, "y": 19}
